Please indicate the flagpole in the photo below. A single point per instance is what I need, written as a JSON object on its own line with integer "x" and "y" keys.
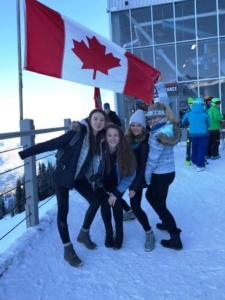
{"x": 19, "y": 60}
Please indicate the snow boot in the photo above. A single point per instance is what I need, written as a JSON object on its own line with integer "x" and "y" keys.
{"x": 174, "y": 242}
{"x": 129, "y": 215}
{"x": 149, "y": 241}
{"x": 161, "y": 226}
{"x": 109, "y": 237}
{"x": 118, "y": 241}
{"x": 71, "y": 257}
{"x": 215, "y": 157}
{"x": 84, "y": 238}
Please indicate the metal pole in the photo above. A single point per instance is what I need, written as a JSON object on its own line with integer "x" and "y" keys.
{"x": 19, "y": 60}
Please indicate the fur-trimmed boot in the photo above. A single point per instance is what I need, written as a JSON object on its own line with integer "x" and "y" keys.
{"x": 118, "y": 241}
{"x": 109, "y": 237}
{"x": 174, "y": 242}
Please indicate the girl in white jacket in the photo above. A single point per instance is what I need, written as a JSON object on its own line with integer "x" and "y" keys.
{"x": 160, "y": 168}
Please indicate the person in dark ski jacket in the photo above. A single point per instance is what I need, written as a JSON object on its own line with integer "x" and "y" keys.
{"x": 115, "y": 174}
{"x": 70, "y": 172}
{"x": 118, "y": 173}
{"x": 138, "y": 138}
{"x": 113, "y": 118}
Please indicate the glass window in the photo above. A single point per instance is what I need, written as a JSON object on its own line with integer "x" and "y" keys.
{"x": 141, "y": 26}
{"x": 121, "y": 29}
{"x": 206, "y": 18}
{"x": 185, "y": 21}
{"x": 186, "y": 90}
{"x": 161, "y": 14}
{"x": 222, "y": 84}
{"x": 186, "y": 61}
{"x": 145, "y": 54}
{"x": 208, "y": 58}
{"x": 165, "y": 62}
{"x": 222, "y": 56}
{"x": 209, "y": 87}
{"x": 221, "y": 12}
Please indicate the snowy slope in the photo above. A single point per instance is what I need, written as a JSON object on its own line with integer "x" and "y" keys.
{"x": 38, "y": 271}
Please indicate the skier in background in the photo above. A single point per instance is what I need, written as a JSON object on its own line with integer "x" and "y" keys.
{"x": 188, "y": 147}
{"x": 199, "y": 121}
{"x": 214, "y": 130}
{"x": 208, "y": 100}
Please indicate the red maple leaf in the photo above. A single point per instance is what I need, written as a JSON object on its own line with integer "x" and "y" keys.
{"x": 94, "y": 57}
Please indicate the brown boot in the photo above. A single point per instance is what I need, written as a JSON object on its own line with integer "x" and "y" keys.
{"x": 71, "y": 257}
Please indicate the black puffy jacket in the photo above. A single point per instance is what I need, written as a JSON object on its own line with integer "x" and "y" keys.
{"x": 141, "y": 154}
{"x": 65, "y": 170}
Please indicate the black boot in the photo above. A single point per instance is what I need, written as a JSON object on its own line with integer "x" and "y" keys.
{"x": 118, "y": 241}
{"x": 109, "y": 237}
{"x": 174, "y": 242}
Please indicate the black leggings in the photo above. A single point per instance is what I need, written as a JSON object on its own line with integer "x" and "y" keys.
{"x": 156, "y": 195}
{"x": 106, "y": 210}
{"x": 135, "y": 203}
{"x": 62, "y": 195}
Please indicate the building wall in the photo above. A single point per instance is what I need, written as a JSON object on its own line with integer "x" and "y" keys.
{"x": 115, "y": 5}
{"x": 185, "y": 40}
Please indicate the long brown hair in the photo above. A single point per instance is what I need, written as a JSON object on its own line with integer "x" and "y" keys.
{"x": 95, "y": 141}
{"x": 136, "y": 138}
{"x": 125, "y": 155}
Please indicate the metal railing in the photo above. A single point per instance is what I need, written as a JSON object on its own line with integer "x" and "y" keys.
{"x": 27, "y": 139}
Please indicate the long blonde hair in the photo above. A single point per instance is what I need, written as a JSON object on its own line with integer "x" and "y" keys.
{"x": 169, "y": 116}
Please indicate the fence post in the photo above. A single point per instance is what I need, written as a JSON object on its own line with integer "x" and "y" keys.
{"x": 31, "y": 207}
{"x": 67, "y": 122}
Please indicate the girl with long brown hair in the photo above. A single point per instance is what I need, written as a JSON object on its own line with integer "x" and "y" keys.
{"x": 70, "y": 173}
{"x": 117, "y": 175}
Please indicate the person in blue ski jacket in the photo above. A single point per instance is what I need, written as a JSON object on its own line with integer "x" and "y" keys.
{"x": 199, "y": 121}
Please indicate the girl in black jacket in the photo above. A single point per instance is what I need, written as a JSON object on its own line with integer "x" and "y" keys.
{"x": 69, "y": 173}
{"x": 138, "y": 138}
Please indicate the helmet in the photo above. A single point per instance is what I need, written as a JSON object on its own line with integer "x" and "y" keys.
{"x": 208, "y": 98}
{"x": 199, "y": 101}
{"x": 216, "y": 100}
{"x": 190, "y": 100}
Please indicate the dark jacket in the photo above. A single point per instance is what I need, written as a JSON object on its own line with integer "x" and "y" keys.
{"x": 114, "y": 118}
{"x": 141, "y": 154}
{"x": 65, "y": 170}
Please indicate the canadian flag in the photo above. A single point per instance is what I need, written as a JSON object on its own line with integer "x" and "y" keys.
{"x": 97, "y": 98}
{"x": 59, "y": 47}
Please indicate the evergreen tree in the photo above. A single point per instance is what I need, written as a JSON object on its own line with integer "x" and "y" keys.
{"x": 51, "y": 186}
{"x": 20, "y": 201}
{"x": 2, "y": 207}
{"x": 42, "y": 182}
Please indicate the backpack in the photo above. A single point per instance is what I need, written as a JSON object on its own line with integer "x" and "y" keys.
{"x": 61, "y": 151}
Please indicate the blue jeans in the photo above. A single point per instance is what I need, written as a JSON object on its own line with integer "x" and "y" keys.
{"x": 199, "y": 146}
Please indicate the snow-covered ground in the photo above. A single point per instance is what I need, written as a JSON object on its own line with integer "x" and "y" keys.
{"x": 36, "y": 269}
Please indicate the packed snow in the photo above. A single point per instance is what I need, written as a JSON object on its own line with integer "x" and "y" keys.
{"x": 33, "y": 268}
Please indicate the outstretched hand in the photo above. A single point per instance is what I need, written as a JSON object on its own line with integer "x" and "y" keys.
{"x": 160, "y": 78}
